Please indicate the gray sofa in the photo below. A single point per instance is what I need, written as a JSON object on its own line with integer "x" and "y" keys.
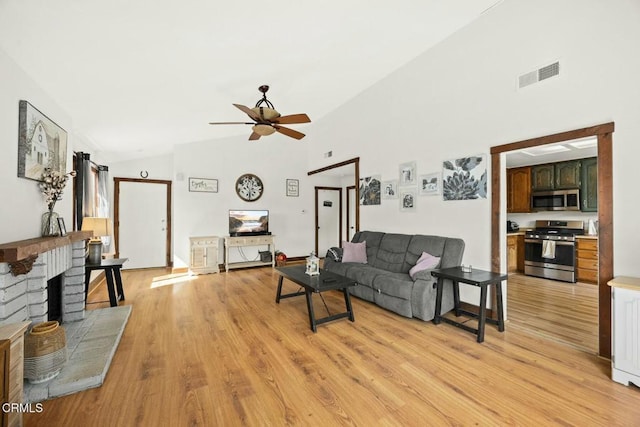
{"x": 385, "y": 280}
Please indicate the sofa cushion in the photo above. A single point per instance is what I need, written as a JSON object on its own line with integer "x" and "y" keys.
{"x": 392, "y": 253}
{"x": 354, "y": 252}
{"x": 373, "y": 239}
{"x": 398, "y": 285}
{"x": 425, "y": 262}
{"x": 364, "y": 273}
{"x": 421, "y": 243}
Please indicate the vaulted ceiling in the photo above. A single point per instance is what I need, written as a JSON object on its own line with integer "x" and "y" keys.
{"x": 137, "y": 77}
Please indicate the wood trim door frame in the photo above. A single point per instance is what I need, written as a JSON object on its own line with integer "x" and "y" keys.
{"x": 604, "y": 134}
{"x": 348, "y": 207}
{"x": 116, "y": 213}
{"x": 356, "y": 171}
{"x": 317, "y": 214}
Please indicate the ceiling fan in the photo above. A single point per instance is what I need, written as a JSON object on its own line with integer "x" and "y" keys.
{"x": 266, "y": 120}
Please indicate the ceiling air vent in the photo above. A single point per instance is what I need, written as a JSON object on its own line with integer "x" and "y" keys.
{"x": 538, "y": 75}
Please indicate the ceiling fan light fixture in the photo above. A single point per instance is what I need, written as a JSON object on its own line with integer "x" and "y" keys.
{"x": 266, "y": 113}
{"x": 263, "y": 130}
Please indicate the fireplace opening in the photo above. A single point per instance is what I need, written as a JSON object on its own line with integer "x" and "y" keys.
{"x": 54, "y": 298}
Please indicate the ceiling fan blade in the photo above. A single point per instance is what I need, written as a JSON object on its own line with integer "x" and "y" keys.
{"x": 248, "y": 111}
{"x": 289, "y": 132}
{"x": 292, "y": 119}
{"x": 231, "y": 123}
{"x": 254, "y": 136}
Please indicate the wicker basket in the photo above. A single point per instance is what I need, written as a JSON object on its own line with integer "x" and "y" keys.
{"x": 45, "y": 352}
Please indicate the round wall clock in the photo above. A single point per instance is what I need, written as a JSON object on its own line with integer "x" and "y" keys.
{"x": 249, "y": 187}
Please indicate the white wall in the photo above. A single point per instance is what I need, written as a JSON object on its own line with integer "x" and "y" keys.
{"x": 460, "y": 99}
{"x": 21, "y": 203}
{"x": 273, "y": 159}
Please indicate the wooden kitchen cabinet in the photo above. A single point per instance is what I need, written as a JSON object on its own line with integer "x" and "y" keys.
{"x": 519, "y": 190}
{"x": 512, "y": 253}
{"x": 520, "y": 248}
{"x": 567, "y": 175}
{"x": 589, "y": 185}
{"x": 542, "y": 177}
{"x": 515, "y": 253}
{"x": 587, "y": 260}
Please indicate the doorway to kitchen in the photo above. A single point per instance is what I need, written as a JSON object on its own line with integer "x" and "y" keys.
{"x": 604, "y": 135}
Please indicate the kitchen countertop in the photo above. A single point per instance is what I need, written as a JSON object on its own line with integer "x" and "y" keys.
{"x": 587, "y": 236}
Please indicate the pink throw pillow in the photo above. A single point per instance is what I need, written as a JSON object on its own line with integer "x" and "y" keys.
{"x": 354, "y": 252}
{"x": 425, "y": 262}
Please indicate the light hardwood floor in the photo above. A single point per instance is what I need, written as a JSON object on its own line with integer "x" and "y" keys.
{"x": 560, "y": 311}
{"x": 217, "y": 351}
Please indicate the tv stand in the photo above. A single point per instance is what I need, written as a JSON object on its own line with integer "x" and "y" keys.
{"x": 245, "y": 241}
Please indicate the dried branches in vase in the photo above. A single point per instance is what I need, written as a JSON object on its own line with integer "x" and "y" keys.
{"x": 51, "y": 185}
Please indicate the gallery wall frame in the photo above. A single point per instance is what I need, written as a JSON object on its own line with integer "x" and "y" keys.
{"x": 203, "y": 185}
{"x": 42, "y": 143}
{"x": 465, "y": 178}
{"x": 429, "y": 184}
{"x": 390, "y": 189}
{"x": 407, "y": 199}
{"x": 370, "y": 190}
{"x": 407, "y": 174}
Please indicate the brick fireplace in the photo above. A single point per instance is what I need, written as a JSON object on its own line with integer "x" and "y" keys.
{"x": 25, "y": 268}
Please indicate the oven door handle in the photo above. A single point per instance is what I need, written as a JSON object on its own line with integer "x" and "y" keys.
{"x": 558, "y": 242}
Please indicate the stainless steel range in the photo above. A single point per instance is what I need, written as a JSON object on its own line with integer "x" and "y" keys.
{"x": 550, "y": 250}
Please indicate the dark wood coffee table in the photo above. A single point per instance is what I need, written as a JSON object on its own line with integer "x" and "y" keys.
{"x": 325, "y": 281}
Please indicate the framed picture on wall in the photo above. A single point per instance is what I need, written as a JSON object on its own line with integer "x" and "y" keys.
{"x": 390, "y": 189}
{"x": 370, "y": 190}
{"x": 293, "y": 188}
{"x": 429, "y": 185}
{"x": 42, "y": 143}
{"x": 465, "y": 178}
{"x": 407, "y": 173}
{"x": 203, "y": 185}
{"x": 407, "y": 199}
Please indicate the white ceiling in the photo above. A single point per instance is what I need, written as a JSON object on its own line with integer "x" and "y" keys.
{"x": 550, "y": 153}
{"x": 139, "y": 76}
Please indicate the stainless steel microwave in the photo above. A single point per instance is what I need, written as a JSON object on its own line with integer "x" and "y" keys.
{"x": 558, "y": 200}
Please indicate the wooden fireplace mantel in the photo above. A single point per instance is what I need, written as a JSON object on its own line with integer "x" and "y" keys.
{"x": 20, "y": 255}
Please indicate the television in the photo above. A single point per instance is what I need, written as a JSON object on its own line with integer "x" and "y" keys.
{"x": 248, "y": 222}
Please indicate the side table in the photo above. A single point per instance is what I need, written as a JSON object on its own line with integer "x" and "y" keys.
{"x": 111, "y": 269}
{"x": 480, "y": 278}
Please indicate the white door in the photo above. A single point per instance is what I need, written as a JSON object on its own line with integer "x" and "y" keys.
{"x": 143, "y": 224}
{"x": 328, "y": 213}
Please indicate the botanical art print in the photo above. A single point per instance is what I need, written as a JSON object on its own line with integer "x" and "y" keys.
{"x": 407, "y": 173}
{"x": 370, "y": 190}
{"x": 42, "y": 144}
{"x": 390, "y": 189}
{"x": 464, "y": 178}
{"x": 428, "y": 185}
